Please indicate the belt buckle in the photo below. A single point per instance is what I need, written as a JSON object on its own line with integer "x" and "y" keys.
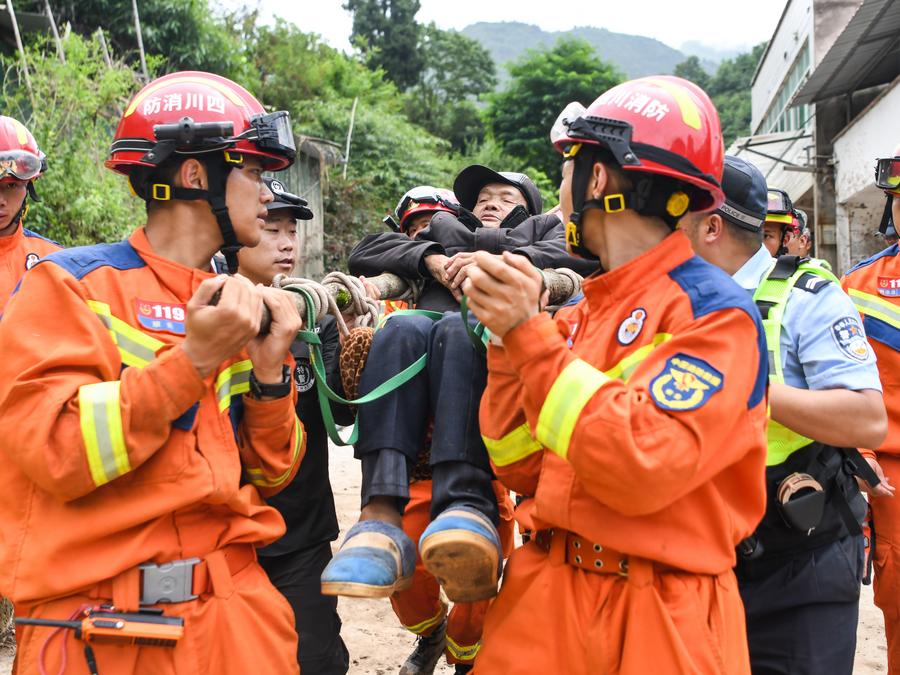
{"x": 170, "y": 582}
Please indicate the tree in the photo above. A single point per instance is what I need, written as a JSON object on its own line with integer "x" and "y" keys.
{"x": 730, "y": 91}
{"x": 389, "y": 36}
{"x": 541, "y": 84}
{"x": 690, "y": 69}
{"x": 458, "y": 70}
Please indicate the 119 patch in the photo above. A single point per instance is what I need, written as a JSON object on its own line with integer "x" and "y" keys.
{"x": 889, "y": 287}
{"x": 685, "y": 383}
{"x": 161, "y": 316}
{"x": 849, "y": 337}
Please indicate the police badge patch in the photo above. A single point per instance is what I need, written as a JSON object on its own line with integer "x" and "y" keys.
{"x": 685, "y": 383}
{"x": 849, "y": 337}
{"x": 631, "y": 327}
{"x": 304, "y": 379}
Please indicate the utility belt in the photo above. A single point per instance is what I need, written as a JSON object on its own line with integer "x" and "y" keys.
{"x": 179, "y": 580}
{"x": 590, "y": 556}
{"x": 809, "y": 503}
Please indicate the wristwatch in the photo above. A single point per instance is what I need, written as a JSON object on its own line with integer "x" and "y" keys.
{"x": 259, "y": 390}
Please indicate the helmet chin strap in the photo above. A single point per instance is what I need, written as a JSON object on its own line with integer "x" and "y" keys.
{"x": 217, "y": 171}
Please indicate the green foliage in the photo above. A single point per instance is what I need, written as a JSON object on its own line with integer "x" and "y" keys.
{"x": 78, "y": 105}
{"x": 388, "y": 34}
{"x": 729, "y": 89}
{"x": 690, "y": 69}
{"x": 189, "y": 35}
{"x": 458, "y": 70}
{"x": 541, "y": 85}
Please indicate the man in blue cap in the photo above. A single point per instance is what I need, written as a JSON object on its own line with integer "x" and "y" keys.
{"x": 800, "y": 572}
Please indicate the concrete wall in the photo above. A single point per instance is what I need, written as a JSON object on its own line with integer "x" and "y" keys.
{"x": 305, "y": 179}
{"x": 795, "y": 26}
{"x": 874, "y": 133}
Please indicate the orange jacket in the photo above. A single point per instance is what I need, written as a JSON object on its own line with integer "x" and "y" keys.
{"x": 18, "y": 253}
{"x": 874, "y": 287}
{"x": 117, "y": 451}
{"x": 637, "y": 417}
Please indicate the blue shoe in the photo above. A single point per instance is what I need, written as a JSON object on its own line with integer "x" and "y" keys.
{"x": 376, "y": 560}
{"x": 461, "y": 548}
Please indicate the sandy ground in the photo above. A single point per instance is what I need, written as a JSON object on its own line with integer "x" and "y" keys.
{"x": 378, "y": 645}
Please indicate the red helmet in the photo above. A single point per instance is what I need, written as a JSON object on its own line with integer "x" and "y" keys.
{"x": 193, "y": 112}
{"x": 20, "y": 156}
{"x": 424, "y": 199}
{"x": 653, "y": 127}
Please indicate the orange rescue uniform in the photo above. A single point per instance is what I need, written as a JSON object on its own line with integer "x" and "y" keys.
{"x": 20, "y": 252}
{"x": 118, "y": 453}
{"x": 874, "y": 287}
{"x": 420, "y": 608}
{"x": 637, "y": 420}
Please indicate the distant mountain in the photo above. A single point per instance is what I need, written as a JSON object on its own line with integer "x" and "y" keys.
{"x": 634, "y": 55}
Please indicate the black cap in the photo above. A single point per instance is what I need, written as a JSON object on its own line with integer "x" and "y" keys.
{"x": 299, "y": 207}
{"x": 473, "y": 178}
{"x": 746, "y": 194}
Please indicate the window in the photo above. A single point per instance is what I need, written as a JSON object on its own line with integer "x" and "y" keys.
{"x": 780, "y": 117}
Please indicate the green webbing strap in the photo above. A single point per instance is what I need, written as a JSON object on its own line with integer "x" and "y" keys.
{"x": 479, "y": 333}
{"x": 771, "y": 297}
{"x": 324, "y": 392}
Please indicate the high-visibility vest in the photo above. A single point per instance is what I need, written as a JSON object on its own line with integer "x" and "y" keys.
{"x": 771, "y": 298}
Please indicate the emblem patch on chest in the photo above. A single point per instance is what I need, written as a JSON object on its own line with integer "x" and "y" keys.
{"x": 304, "y": 379}
{"x": 31, "y": 260}
{"x": 160, "y": 316}
{"x": 889, "y": 287}
{"x": 685, "y": 383}
{"x": 631, "y": 327}
{"x": 849, "y": 337}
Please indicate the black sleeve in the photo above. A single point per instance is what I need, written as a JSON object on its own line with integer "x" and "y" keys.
{"x": 392, "y": 252}
{"x": 331, "y": 354}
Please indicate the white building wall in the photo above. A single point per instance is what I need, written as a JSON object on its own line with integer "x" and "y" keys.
{"x": 874, "y": 133}
{"x": 795, "y": 27}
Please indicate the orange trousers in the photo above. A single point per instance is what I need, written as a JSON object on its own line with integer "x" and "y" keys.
{"x": 420, "y": 608}
{"x": 243, "y": 626}
{"x": 551, "y": 617}
{"x": 886, "y": 516}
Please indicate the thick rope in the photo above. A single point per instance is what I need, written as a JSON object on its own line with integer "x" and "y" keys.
{"x": 365, "y": 309}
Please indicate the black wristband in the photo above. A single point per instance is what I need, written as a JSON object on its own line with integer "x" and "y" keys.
{"x": 259, "y": 390}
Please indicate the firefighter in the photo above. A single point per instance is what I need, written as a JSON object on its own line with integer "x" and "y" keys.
{"x": 631, "y": 419}
{"x": 784, "y": 223}
{"x": 800, "y": 572}
{"x": 141, "y": 437}
{"x": 295, "y": 562}
{"x": 21, "y": 164}
{"x": 874, "y": 287}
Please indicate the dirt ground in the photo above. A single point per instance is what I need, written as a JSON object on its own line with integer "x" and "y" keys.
{"x": 378, "y": 645}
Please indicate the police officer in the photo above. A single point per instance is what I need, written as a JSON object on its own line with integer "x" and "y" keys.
{"x": 800, "y": 572}
{"x": 295, "y": 561}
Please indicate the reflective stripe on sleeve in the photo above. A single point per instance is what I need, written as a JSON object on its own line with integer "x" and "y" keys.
{"x": 101, "y": 429}
{"x": 258, "y": 476}
{"x": 135, "y": 347}
{"x": 571, "y": 391}
{"x": 516, "y": 445}
{"x": 872, "y": 305}
{"x": 232, "y": 381}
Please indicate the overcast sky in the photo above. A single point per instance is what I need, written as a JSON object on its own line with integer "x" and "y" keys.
{"x": 717, "y": 23}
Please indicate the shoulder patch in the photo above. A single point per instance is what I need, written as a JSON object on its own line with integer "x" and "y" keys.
{"x": 81, "y": 261}
{"x": 849, "y": 337}
{"x": 812, "y": 283}
{"x": 889, "y": 252}
{"x": 685, "y": 383}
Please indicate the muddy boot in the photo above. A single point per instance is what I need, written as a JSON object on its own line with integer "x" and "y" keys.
{"x": 428, "y": 651}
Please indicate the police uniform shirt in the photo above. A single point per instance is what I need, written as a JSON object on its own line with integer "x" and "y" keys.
{"x": 823, "y": 343}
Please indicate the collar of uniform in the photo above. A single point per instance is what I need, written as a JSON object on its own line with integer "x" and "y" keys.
{"x": 179, "y": 279}
{"x": 608, "y": 287}
{"x": 752, "y": 272}
{"x": 13, "y": 240}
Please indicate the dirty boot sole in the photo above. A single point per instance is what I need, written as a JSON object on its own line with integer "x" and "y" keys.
{"x": 356, "y": 590}
{"x": 464, "y": 563}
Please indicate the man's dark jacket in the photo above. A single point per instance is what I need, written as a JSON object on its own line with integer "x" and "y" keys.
{"x": 539, "y": 238}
